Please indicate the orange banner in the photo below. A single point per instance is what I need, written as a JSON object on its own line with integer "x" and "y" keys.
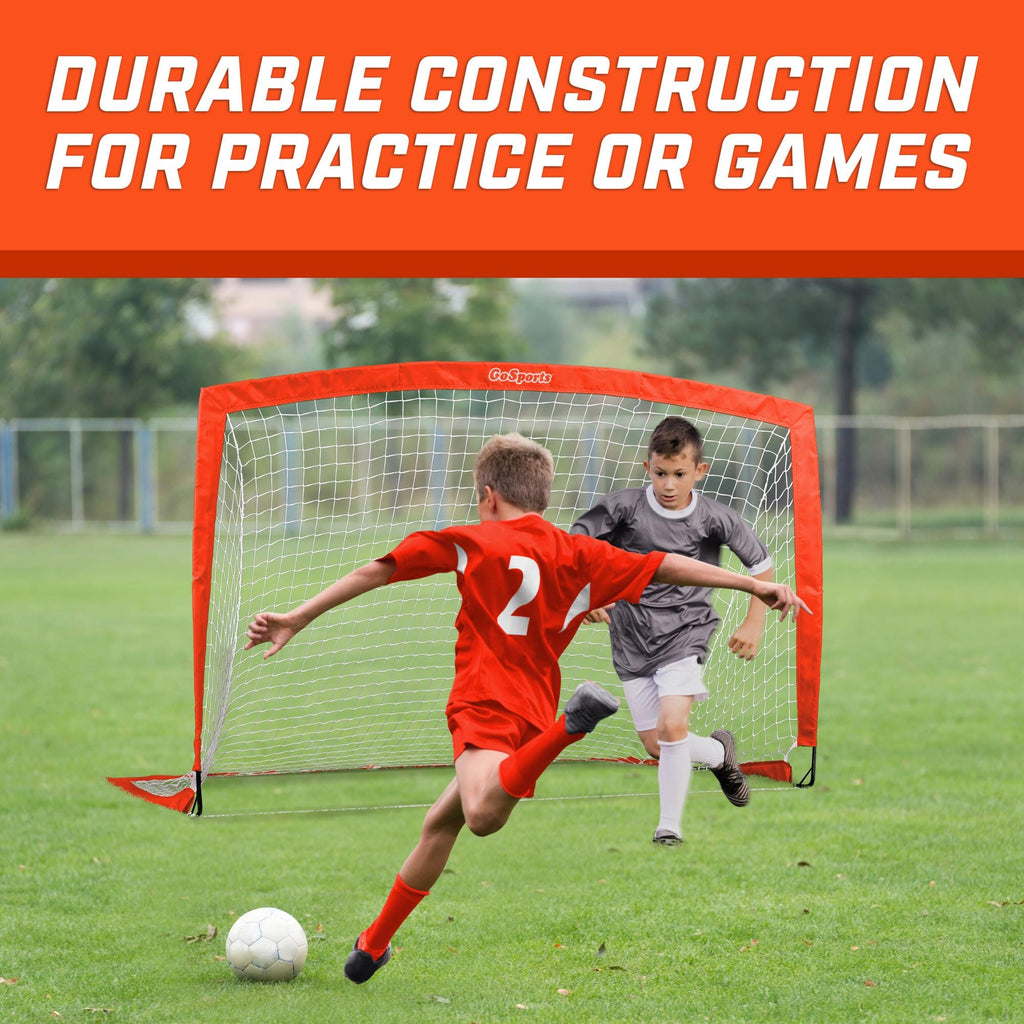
{"x": 536, "y": 140}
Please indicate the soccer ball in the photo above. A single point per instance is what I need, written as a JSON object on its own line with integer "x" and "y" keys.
{"x": 266, "y": 945}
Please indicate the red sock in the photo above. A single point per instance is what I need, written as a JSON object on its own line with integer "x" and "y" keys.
{"x": 401, "y": 902}
{"x": 519, "y": 772}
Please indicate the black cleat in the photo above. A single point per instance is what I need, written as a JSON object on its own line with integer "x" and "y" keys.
{"x": 730, "y": 778}
{"x": 587, "y": 706}
{"x": 360, "y": 966}
{"x": 665, "y": 838}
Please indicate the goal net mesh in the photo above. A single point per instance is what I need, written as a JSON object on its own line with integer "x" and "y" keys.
{"x": 311, "y": 490}
{"x": 300, "y": 479}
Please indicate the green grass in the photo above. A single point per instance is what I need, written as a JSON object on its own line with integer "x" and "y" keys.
{"x": 890, "y": 891}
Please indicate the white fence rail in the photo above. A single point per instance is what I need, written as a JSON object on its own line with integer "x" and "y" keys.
{"x": 951, "y": 474}
{"x": 913, "y": 475}
{"x": 89, "y": 474}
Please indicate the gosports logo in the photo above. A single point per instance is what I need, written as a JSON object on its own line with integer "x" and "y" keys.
{"x": 516, "y": 376}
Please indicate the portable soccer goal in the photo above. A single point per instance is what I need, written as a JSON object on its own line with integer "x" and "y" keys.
{"x": 301, "y": 478}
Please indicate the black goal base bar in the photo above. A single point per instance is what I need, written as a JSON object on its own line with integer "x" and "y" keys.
{"x": 805, "y": 782}
{"x": 808, "y": 780}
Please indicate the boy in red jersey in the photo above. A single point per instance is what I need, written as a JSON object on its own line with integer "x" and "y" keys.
{"x": 526, "y": 586}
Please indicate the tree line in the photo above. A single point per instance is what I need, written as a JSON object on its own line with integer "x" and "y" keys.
{"x": 135, "y": 347}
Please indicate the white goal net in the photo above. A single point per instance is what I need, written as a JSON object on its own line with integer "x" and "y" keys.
{"x": 309, "y": 490}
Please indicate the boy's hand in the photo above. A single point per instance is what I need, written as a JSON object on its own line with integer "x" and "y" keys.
{"x": 599, "y": 615}
{"x": 780, "y": 598}
{"x": 270, "y": 628}
{"x": 746, "y": 640}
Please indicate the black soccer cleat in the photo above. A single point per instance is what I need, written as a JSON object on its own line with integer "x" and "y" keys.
{"x": 587, "y": 706}
{"x": 360, "y": 966}
{"x": 730, "y": 778}
{"x": 663, "y": 837}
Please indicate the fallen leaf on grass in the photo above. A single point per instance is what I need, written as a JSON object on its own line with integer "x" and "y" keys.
{"x": 563, "y": 991}
{"x": 210, "y": 933}
{"x": 8, "y": 981}
{"x": 439, "y": 999}
{"x": 869, "y": 983}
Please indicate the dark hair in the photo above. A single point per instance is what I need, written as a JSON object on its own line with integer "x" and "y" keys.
{"x": 674, "y": 435}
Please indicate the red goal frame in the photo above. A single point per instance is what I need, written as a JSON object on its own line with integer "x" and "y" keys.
{"x": 216, "y": 403}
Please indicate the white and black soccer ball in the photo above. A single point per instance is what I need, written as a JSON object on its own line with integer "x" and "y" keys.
{"x": 266, "y": 944}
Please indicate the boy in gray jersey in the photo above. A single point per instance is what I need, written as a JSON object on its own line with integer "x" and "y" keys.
{"x": 659, "y": 645}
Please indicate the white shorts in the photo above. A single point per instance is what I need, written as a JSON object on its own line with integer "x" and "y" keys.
{"x": 678, "y": 679}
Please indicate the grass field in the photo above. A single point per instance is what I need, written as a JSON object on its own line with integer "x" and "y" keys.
{"x": 893, "y": 890}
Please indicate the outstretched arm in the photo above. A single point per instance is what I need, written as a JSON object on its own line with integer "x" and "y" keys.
{"x": 277, "y": 629}
{"x": 691, "y": 572}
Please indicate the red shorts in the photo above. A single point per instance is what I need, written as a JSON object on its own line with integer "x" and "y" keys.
{"x": 488, "y": 726}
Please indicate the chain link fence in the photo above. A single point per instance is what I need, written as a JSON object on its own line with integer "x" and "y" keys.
{"x": 913, "y": 476}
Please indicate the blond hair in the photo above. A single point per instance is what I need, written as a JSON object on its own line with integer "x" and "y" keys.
{"x": 518, "y": 469}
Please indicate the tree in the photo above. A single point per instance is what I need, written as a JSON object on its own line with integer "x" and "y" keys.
{"x": 124, "y": 347}
{"x": 118, "y": 347}
{"x": 764, "y": 330}
{"x": 543, "y": 319}
{"x": 390, "y": 320}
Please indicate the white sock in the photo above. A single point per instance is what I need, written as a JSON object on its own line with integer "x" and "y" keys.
{"x": 706, "y": 750}
{"x": 673, "y": 783}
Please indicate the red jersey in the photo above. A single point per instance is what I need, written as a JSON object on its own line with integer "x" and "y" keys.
{"x": 525, "y": 587}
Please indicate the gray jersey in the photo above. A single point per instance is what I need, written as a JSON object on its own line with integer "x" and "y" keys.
{"x": 669, "y": 623}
